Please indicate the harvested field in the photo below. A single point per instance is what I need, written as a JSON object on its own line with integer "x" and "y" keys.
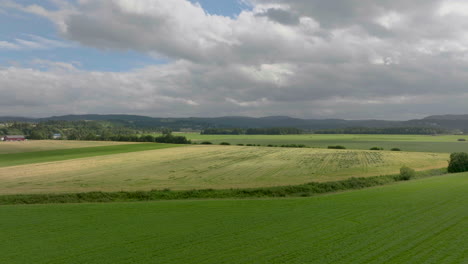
{"x": 201, "y": 167}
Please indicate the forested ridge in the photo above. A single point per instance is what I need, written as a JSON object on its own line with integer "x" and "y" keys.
{"x": 127, "y": 129}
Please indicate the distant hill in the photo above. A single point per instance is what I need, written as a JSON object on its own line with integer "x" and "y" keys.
{"x": 17, "y": 119}
{"x": 452, "y": 122}
{"x": 443, "y": 121}
{"x": 447, "y": 117}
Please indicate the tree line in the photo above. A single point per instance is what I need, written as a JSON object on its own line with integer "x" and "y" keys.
{"x": 252, "y": 131}
{"x": 387, "y": 130}
{"x": 87, "y": 130}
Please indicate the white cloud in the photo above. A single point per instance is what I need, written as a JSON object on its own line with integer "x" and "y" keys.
{"x": 256, "y": 103}
{"x": 33, "y": 42}
{"x": 8, "y": 45}
{"x": 276, "y": 74}
{"x": 453, "y": 7}
{"x": 390, "y": 20}
{"x": 55, "y": 65}
{"x": 343, "y": 58}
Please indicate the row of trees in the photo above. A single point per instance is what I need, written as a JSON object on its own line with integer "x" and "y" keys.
{"x": 388, "y": 130}
{"x": 88, "y": 130}
{"x": 351, "y": 130}
{"x": 253, "y": 131}
{"x": 166, "y": 138}
{"x": 223, "y": 131}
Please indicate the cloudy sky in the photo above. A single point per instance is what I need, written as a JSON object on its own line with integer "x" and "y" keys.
{"x": 352, "y": 59}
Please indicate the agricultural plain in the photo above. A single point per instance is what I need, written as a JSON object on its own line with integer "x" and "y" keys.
{"x": 202, "y": 167}
{"x": 413, "y": 143}
{"x": 423, "y": 221}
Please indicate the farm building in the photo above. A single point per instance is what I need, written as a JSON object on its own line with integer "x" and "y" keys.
{"x": 14, "y": 138}
{"x": 57, "y": 136}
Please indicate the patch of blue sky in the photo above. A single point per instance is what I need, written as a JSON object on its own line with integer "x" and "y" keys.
{"x": 19, "y": 25}
{"x": 84, "y": 58}
{"x": 230, "y": 8}
{"x": 47, "y": 4}
{"x": 13, "y": 24}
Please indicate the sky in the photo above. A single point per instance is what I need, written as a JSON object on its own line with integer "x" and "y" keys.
{"x": 350, "y": 59}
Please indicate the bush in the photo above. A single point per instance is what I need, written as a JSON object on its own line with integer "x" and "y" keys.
{"x": 406, "y": 173}
{"x": 336, "y": 147}
{"x": 458, "y": 162}
{"x": 376, "y": 148}
{"x": 169, "y": 138}
{"x": 293, "y": 146}
{"x": 206, "y": 143}
{"x": 461, "y": 139}
{"x": 225, "y": 143}
{"x": 395, "y": 149}
{"x": 240, "y": 144}
{"x": 147, "y": 138}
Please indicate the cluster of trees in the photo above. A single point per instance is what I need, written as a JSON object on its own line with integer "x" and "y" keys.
{"x": 169, "y": 138}
{"x": 73, "y": 130}
{"x": 336, "y": 147}
{"x": 458, "y": 162}
{"x": 376, "y": 148}
{"x": 16, "y": 128}
{"x": 253, "y": 131}
{"x": 166, "y": 138}
{"x": 389, "y": 130}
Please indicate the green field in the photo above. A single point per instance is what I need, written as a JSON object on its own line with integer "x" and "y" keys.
{"x": 19, "y": 158}
{"x": 42, "y": 145}
{"x": 195, "y": 167}
{"x": 417, "y": 143}
{"x": 423, "y": 221}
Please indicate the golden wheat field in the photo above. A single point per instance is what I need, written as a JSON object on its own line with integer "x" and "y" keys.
{"x": 200, "y": 167}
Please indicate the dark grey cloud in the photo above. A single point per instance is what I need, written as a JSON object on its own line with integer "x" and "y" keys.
{"x": 281, "y": 16}
{"x": 342, "y": 13}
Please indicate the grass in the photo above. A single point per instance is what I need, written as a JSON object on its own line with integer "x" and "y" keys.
{"x": 202, "y": 167}
{"x": 416, "y": 143}
{"x": 423, "y": 221}
{"x": 21, "y": 158}
{"x": 42, "y": 145}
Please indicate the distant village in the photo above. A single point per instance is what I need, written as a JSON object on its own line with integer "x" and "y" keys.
{"x": 23, "y": 138}
{"x": 13, "y": 138}
{"x": 18, "y": 131}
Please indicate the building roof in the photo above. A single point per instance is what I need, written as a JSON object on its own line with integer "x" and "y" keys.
{"x": 14, "y": 136}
